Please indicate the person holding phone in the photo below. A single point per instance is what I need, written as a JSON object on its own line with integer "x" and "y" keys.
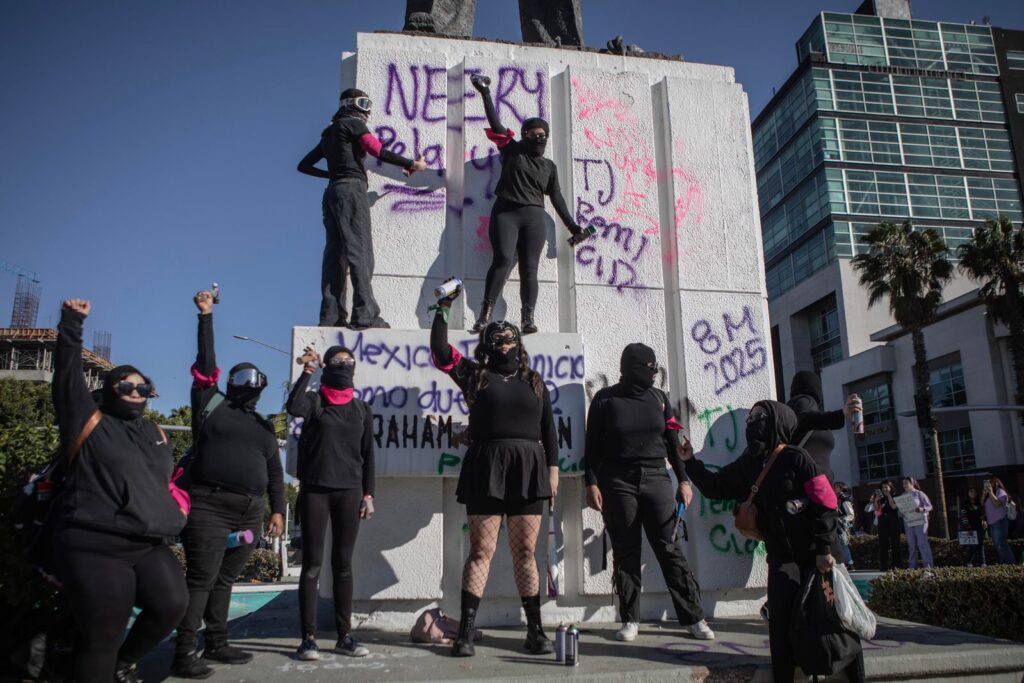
{"x": 631, "y": 431}
{"x": 996, "y": 500}
{"x": 889, "y": 554}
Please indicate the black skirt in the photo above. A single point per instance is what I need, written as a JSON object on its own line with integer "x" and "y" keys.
{"x": 513, "y": 470}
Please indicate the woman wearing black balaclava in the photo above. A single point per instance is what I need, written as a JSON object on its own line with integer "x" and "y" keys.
{"x": 235, "y": 461}
{"x": 517, "y": 224}
{"x": 116, "y": 509}
{"x": 510, "y": 470}
{"x": 336, "y": 472}
{"x": 631, "y": 430}
{"x": 344, "y": 144}
{"x": 814, "y": 423}
{"x": 797, "y": 544}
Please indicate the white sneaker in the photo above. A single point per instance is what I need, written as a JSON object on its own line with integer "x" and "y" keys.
{"x": 701, "y": 631}
{"x": 629, "y": 631}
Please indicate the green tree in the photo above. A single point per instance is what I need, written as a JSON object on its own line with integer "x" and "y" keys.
{"x": 995, "y": 258}
{"x": 910, "y": 268}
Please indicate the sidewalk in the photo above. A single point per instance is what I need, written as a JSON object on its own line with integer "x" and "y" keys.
{"x": 740, "y": 653}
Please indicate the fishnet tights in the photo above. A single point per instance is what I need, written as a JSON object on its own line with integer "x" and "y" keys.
{"x": 522, "y": 543}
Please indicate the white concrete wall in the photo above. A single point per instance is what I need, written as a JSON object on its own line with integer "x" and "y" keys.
{"x": 656, "y": 154}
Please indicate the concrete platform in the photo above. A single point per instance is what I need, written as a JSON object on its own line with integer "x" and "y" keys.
{"x": 901, "y": 651}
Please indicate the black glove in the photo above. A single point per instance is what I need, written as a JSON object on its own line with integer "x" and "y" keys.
{"x": 578, "y": 234}
{"x": 481, "y": 83}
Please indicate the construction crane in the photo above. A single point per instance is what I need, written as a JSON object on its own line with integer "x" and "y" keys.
{"x": 26, "y": 296}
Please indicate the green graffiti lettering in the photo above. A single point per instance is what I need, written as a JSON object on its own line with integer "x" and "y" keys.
{"x": 725, "y": 541}
{"x": 735, "y": 431}
{"x": 447, "y": 460}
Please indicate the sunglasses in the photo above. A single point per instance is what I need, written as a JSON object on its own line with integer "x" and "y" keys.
{"x": 125, "y": 388}
{"x": 363, "y": 104}
{"x": 249, "y": 377}
{"x": 341, "y": 360}
{"x": 539, "y": 137}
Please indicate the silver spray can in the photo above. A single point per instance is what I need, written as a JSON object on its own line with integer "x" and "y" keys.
{"x": 447, "y": 288}
{"x": 857, "y": 418}
{"x": 572, "y": 646}
{"x": 560, "y": 643}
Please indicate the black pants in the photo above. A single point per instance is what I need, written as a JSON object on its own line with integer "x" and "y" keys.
{"x": 784, "y": 583}
{"x": 636, "y": 497}
{"x": 317, "y": 507}
{"x": 974, "y": 555}
{"x": 889, "y": 543}
{"x": 515, "y": 230}
{"x": 213, "y": 568}
{"x": 348, "y": 251}
{"x": 104, "y": 576}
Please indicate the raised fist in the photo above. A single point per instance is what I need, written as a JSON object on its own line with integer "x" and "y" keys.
{"x": 204, "y": 301}
{"x": 481, "y": 83}
{"x": 447, "y": 300}
{"x": 310, "y": 358}
{"x": 80, "y": 306}
{"x": 418, "y": 164}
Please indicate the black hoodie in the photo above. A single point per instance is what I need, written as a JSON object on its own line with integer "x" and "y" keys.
{"x": 805, "y": 400}
{"x": 789, "y": 538}
{"x": 119, "y": 481}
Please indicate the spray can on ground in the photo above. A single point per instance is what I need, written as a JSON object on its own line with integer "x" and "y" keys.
{"x": 572, "y": 646}
{"x": 239, "y": 538}
{"x": 560, "y": 643}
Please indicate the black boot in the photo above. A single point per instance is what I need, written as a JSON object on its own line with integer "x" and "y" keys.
{"x": 227, "y": 654}
{"x": 190, "y": 665}
{"x": 125, "y": 673}
{"x": 463, "y": 645}
{"x": 536, "y": 642}
{"x": 529, "y": 327}
{"x": 486, "y": 310}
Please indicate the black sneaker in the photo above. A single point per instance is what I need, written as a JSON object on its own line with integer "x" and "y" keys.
{"x": 190, "y": 665}
{"x": 228, "y": 655}
{"x": 376, "y": 323}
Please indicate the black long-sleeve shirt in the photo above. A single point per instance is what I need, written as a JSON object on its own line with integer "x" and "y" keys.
{"x": 336, "y": 445}
{"x": 119, "y": 481}
{"x": 524, "y": 179}
{"x": 810, "y": 418}
{"x": 506, "y": 408}
{"x": 345, "y": 144}
{"x": 235, "y": 449}
{"x": 627, "y": 426}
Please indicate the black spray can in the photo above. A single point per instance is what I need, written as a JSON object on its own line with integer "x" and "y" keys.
{"x": 560, "y": 643}
{"x": 572, "y": 646}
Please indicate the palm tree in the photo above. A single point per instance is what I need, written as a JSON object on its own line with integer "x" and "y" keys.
{"x": 910, "y": 268}
{"x": 995, "y": 257}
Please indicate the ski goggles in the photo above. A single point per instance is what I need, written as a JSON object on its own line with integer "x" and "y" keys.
{"x": 125, "y": 388}
{"x": 247, "y": 377}
{"x": 338, "y": 359}
{"x": 363, "y": 104}
{"x": 502, "y": 334}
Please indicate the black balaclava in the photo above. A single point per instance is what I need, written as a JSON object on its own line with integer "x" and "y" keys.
{"x": 806, "y": 383}
{"x": 777, "y": 427}
{"x": 243, "y": 397}
{"x": 635, "y": 366}
{"x": 505, "y": 362}
{"x": 115, "y": 405}
{"x": 535, "y": 147}
{"x": 348, "y": 111}
{"x": 337, "y": 376}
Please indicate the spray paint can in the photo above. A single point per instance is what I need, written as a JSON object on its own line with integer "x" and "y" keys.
{"x": 572, "y": 646}
{"x": 857, "y": 418}
{"x": 215, "y": 291}
{"x": 480, "y": 79}
{"x": 560, "y": 643}
{"x": 447, "y": 288}
{"x": 239, "y": 538}
{"x": 588, "y": 232}
{"x": 796, "y": 506}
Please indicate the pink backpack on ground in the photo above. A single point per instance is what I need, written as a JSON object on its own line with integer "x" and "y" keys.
{"x": 434, "y": 626}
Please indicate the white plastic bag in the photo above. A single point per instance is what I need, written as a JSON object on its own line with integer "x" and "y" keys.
{"x": 853, "y": 613}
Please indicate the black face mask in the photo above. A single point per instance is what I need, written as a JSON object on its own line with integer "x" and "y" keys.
{"x": 115, "y": 405}
{"x": 638, "y": 366}
{"x": 125, "y": 410}
{"x": 504, "y": 362}
{"x": 338, "y": 376}
{"x": 758, "y": 434}
{"x": 535, "y": 148}
{"x": 245, "y": 398}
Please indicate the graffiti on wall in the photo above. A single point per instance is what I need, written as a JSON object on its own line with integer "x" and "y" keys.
{"x": 733, "y": 351}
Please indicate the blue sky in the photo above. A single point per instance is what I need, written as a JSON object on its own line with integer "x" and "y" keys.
{"x": 149, "y": 147}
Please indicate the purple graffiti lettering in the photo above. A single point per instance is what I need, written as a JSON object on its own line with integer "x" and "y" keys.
{"x": 431, "y": 96}
{"x": 395, "y": 83}
{"x": 425, "y": 200}
{"x": 731, "y": 327}
{"x": 469, "y": 93}
{"x": 558, "y": 367}
{"x": 602, "y": 198}
{"x": 508, "y": 79}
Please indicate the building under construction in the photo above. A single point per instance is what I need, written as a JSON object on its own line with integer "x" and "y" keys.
{"x": 26, "y": 353}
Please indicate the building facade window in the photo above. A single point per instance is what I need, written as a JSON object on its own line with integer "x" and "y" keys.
{"x": 957, "y": 448}
{"x": 947, "y": 385}
{"x": 801, "y": 263}
{"x": 877, "y": 403}
{"x": 1015, "y": 59}
{"x": 878, "y": 460}
{"x": 1020, "y": 102}
{"x": 826, "y": 344}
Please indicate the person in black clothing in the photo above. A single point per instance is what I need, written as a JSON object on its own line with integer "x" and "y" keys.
{"x": 116, "y": 509}
{"x": 814, "y": 424}
{"x": 797, "y": 544}
{"x": 336, "y": 472}
{"x": 974, "y": 520}
{"x": 631, "y": 430}
{"x": 889, "y": 527}
{"x": 517, "y": 224}
{"x": 510, "y": 469}
{"x": 235, "y": 461}
{"x": 344, "y": 144}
